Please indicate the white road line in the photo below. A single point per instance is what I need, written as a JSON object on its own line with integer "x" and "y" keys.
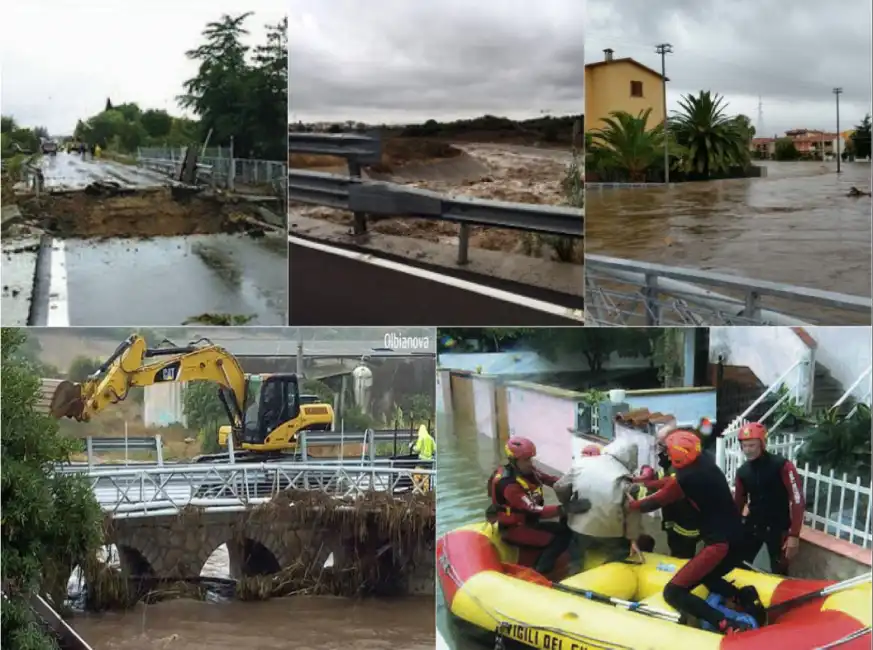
{"x": 431, "y": 276}
{"x": 58, "y": 303}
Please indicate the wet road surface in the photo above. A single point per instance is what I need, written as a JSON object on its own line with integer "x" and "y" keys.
{"x": 466, "y": 461}
{"x": 796, "y": 226}
{"x": 19, "y": 267}
{"x": 302, "y": 623}
{"x": 163, "y": 281}
{"x": 67, "y": 171}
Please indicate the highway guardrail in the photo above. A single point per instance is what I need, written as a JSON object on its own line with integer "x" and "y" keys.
{"x": 378, "y": 198}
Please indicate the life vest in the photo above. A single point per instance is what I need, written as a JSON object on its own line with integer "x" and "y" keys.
{"x": 499, "y": 511}
{"x": 679, "y": 517}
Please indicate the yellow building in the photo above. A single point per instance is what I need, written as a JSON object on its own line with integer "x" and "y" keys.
{"x": 621, "y": 85}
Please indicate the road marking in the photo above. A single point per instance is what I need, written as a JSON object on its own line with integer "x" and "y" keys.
{"x": 58, "y": 303}
{"x": 431, "y": 276}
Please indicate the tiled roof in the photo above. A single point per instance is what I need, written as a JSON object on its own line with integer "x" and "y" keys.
{"x": 644, "y": 419}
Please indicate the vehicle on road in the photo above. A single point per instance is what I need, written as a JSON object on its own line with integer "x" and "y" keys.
{"x": 265, "y": 411}
{"x": 49, "y": 147}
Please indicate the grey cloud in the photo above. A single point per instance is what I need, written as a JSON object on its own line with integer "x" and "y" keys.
{"x": 429, "y": 58}
{"x": 792, "y": 53}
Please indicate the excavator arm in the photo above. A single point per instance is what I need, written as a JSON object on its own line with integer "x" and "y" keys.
{"x": 134, "y": 364}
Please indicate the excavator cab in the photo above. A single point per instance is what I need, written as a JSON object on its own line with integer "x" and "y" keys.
{"x": 275, "y": 412}
{"x": 271, "y": 400}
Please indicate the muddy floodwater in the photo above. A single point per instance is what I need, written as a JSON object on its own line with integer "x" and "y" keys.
{"x": 796, "y": 226}
{"x": 302, "y": 623}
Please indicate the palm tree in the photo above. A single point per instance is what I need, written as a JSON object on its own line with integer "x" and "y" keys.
{"x": 625, "y": 143}
{"x": 715, "y": 142}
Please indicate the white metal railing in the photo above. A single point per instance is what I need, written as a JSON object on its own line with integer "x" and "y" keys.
{"x": 154, "y": 491}
{"x": 792, "y": 392}
{"x": 824, "y": 492}
{"x": 865, "y": 398}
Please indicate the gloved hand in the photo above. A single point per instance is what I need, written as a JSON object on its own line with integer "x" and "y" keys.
{"x": 577, "y": 506}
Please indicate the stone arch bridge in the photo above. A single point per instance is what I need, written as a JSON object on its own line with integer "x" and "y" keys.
{"x": 267, "y": 539}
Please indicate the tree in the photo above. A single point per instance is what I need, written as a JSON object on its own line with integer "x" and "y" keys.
{"x": 81, "y": 367}
{"x": 785, "y": 150}
{"x": 626, "y": 143}
{"x": 204, "y": 412}
{"x": 157, "y": 124}
{"x": 51, "y": 522}
{"x": 241, "y": 94}
{"x": 861, "y": 138}
{"x": 714, "y": 141}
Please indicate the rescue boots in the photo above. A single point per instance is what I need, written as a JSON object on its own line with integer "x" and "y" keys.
{"x": 750, "y": 602}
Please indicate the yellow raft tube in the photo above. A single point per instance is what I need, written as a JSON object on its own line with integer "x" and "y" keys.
{"x": 484, "y": 587}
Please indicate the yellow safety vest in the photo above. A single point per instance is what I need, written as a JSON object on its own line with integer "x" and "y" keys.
{"x": 425, "y": 445}
{"x": 669, "y": 525}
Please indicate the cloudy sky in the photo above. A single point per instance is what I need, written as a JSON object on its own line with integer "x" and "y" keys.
{"x": 62, "y": 59}
{"x": 790, "y": 52}
{"x": 407, "y": 61}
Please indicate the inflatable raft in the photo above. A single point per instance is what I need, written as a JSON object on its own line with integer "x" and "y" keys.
{"x": 485, "y": 587}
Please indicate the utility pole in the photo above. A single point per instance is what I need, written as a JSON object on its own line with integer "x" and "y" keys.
{"x": 838, "y": 92}
{"x": 664, "y": 49}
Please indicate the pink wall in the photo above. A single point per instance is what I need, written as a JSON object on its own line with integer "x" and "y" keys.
{"x": 546, "y": 420}
{"x": 483, "y": 402}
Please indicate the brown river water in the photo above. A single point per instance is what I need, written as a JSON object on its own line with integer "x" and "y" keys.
{"x": 796, "y": 226}
{"x": 302, "y": 623}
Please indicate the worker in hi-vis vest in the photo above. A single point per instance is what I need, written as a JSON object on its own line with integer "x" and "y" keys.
{"x": 425, "y": 445}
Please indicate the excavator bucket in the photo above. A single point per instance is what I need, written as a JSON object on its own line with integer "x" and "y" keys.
{"x": 67, "y": 401}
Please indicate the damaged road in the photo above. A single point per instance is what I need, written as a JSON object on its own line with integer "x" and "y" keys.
{"x": 116, "y": 253}
{"x": 69, "y": 172}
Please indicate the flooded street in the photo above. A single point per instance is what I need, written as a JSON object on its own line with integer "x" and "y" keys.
{"x": 303, "y": 622}
{"x": 465, "y": 463}
{"x": 796, "y": 226}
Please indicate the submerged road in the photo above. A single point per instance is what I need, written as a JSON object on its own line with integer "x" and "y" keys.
{"x": 68, "y": 171}
{"x": 163, "y": 281}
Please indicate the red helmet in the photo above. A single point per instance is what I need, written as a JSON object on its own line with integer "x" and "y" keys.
{"x": 647, "y": 472}
{"x": 683, "y": 448}
{"x": 519, "y": 448}
{"x": 591, "y": 450}
{"x": 753, "y": 431}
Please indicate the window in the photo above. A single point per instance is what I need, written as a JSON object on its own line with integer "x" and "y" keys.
{"x": 636, "y": 89}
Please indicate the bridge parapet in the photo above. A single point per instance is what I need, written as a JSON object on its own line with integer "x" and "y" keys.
{"x": 313, "y": 540}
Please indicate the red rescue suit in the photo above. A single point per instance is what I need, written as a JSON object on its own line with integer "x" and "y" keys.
{"x": 518, "y": 505}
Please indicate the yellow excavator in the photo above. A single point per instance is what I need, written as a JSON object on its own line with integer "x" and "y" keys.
{"x": 265, "y": 411}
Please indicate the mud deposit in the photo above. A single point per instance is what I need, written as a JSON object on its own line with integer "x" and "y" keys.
{"x": 497, "y": 172}
{"x": 146, "y": 213}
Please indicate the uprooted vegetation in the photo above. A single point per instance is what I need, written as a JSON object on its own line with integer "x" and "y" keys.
{"x": 154, "y": 212}
{"x": 387, "y": 540}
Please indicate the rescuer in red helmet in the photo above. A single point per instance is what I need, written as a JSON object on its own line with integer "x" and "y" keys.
{"x": 770, "y": 486}
{"x": 518, "y": 505}
{"x": 699, "y": 480}
{"x": 678, "y": 520}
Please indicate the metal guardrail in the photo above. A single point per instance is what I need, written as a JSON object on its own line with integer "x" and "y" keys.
{"x": 227, "y": 488}
{"x": 377, "y": 198}
{"x": 627, "y": 292}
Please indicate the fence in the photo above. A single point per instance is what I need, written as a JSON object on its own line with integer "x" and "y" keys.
{"x": 626, "y": 292}
{"x": 364, "y": 197}
{"x": 156, "y": 491}
{"x": 218, "y": 166}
